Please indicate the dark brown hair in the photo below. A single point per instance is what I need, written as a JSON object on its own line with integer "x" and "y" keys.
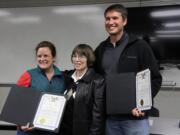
{"x": 118, "y": 8}
{"x": 48, "y": 44}
{"x": 84, "y": 50}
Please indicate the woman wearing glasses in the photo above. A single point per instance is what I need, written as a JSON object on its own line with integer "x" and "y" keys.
{"x": 84, "y": 114}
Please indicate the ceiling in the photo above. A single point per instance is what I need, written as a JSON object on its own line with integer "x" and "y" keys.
{"x": 37, "y": 3}
{"x": 30, "y": 3}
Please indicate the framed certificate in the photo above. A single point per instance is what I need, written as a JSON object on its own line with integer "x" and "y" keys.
{"x": 26, "y": 105}
{"x": 143, "y": 90}
{"x": 49, "y": 112}
{"x": 126, "y": 91}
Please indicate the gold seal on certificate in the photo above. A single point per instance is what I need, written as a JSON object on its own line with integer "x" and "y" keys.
{"x": 142, "y": 102}
{"x": 143, "y": 90}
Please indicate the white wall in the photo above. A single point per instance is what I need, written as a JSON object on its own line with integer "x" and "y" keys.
{"x": 5, "y": 132}
{"x": 66, "y": 26}
{"x": 23, "y": 28}
{"x": 167, "y": 101}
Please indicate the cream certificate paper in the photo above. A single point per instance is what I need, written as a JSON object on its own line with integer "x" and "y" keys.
{"x": 143, "y": 90}
{"x": 49, "y": 112}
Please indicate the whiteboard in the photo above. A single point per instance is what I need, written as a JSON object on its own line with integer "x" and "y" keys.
{"x": 21, "y": 29}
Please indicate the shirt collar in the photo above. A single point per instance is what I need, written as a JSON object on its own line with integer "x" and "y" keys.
{"x": 87, "y": 76}
{"x": 118, "y": 42}
{"x": 75, "y": 78}
{"x": 56, "y": 70}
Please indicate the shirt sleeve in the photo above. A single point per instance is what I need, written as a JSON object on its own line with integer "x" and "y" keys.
{"x": 24, "y": 80}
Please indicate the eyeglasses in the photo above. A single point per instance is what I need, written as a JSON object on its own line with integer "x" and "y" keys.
{"x": 79, "y": 57}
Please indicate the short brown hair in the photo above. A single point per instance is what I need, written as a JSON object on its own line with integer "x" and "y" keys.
{"x": 118, "y": 8}
{"x": 48, "y": 44}
{"x": 85, "y": 50}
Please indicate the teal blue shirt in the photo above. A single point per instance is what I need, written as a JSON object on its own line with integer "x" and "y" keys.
{"x": 40, "y": 81}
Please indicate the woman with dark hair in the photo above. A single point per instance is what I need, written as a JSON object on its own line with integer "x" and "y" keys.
{"x": 46, "y": 77}
{"x": 84, "y": 114}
